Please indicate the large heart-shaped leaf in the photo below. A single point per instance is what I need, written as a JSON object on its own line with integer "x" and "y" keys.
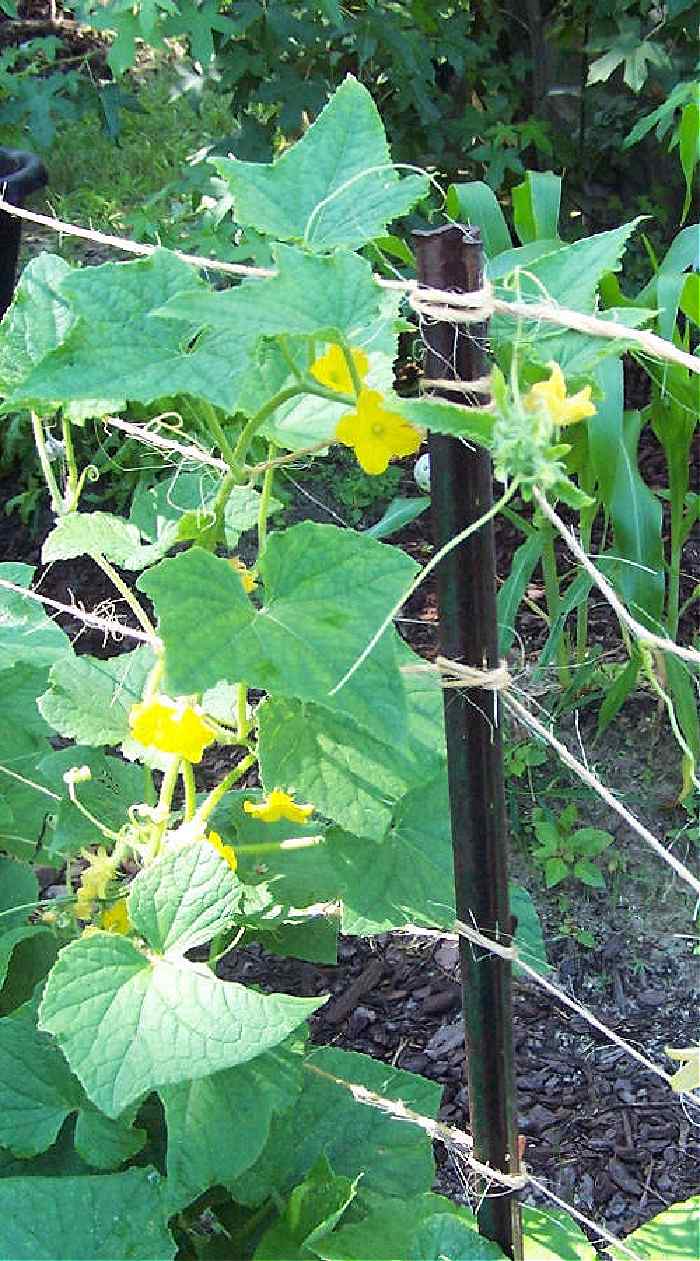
{"x": 335, "y": 187}
{"x": 142, "y": 1019}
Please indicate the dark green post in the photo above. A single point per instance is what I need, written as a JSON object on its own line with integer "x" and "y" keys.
{"x": 461, "y": 482}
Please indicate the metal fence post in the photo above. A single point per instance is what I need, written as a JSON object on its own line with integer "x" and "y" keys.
{"x": 451, "y": 258}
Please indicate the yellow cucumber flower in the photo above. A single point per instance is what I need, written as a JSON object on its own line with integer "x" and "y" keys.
{"x": 278, "y": 805}
{"x": 375, "y": 434}
{"x": 687, "y": 1077}
{"x": 332, "y": 369}
{"x": 226, "y": 851}
{"x": 171, "y": 726}
{"x": 94, "y": 881}
{"x": 246, "y": 576}
{"x": 552, "y": 393}
{"x": 115, "y": 918}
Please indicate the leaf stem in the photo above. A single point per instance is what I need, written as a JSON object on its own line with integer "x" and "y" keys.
{"x": 272, "y": 847}
{"x": 108, "y": 833}
{"x": 215, "y": 427}
{"x": 126, "y": 593}
{"x": 40, "y": 444}
{"x": 254, "y": 423}
{"x": 163, "y": 810}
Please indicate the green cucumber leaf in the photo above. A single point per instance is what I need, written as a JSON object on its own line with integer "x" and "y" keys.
{"x": 89, "y": 698}
{"x": 351, "y": 777}
{"x": 334, "y": 187}
{"x": 313, "y": 1209}
{"x": 427, "y": 1227}
{"x": 311, "y": 627}
{"x": 554, "y": 1236}
{"x": 114, "y": 786}
{"x": 448, "y": 418}
{"x": 20, "y": 687}
{"x": 27, "y": 801}
{"x": 219, "y": 1125}
{"x": 28, "y": 634}
{"x": 394, "y": 1159}
{"x": 102, "y": 534}
{"x": 95, "y": 1218}
{"x": 141, "y": 1021}
{"x": 37, "y": 1089}
{"x": 120, "y": 347}
{"x": 182, "y": 507}
{"x": 332, "y": 297}
{"x": 103, "y": 1142}
{"x": 37, "y": 322}
{"x": 672, "y": 1234}
{"x": 19, "y": 888}
{"x": 183, "y": 898}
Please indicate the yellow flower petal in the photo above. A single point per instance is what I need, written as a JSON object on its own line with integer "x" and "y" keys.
{"x": 552, "y": 395}
{"x": 115, "y": 918}
{"x": 95, "y": 879}
{"x": 227, "y": 852}
{"x": 247, "y": 578}
{"x": 375, "y": 434}
{"x": 276, "y": 806}
{"x": 687, "y": 1077}
{"x": 172, "y": 727}
{"x": 332, "y": 369}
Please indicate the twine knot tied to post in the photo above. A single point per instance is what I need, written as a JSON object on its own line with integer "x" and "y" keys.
{"x": 475, "y": 307}
{"x": 455, "y": 674}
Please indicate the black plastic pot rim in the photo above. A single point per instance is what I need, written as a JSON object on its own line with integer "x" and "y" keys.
{"x": 21, "y": 173}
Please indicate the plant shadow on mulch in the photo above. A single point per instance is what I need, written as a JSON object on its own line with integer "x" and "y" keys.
{"x": 602, "y": 1132}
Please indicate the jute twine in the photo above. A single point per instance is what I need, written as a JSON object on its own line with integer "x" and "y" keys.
{"x": 475, "y": 307}
{"x": 456, "y": 674}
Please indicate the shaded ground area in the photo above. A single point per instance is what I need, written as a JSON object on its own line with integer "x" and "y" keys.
{"x": 604, "y": 1134}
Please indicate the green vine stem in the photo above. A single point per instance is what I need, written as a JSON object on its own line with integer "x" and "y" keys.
{"x": 162, "y": 812}
{"x": 73, "y": 480}
{"x": 305, "y": 386}
{"x": 354, "y": 374}
{"x": 553, "y": 598}
{"x": 190, "y": 789}
{"x": 242, "y": 719}
{"x": 265, "y": 497}
{"x": 42, "y": 452}
{"x": 212, "y": 801}
{"x": 253, "y": 424}
{"x": 238, "y": 473}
